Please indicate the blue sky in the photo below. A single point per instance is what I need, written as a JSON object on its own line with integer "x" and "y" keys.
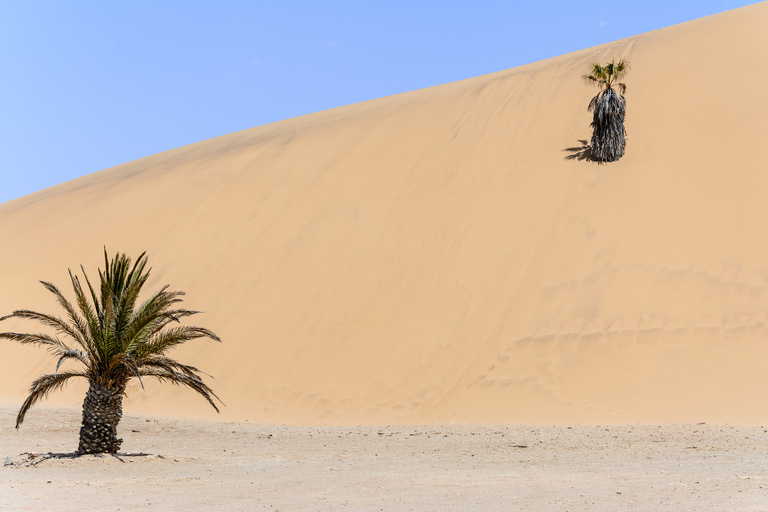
{"x": 86, "y": 85}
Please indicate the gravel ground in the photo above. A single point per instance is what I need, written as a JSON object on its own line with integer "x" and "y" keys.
{"x": 176, "y": 464}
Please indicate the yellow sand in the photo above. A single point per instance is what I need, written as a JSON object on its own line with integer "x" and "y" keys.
{"x": 435, "y": 256}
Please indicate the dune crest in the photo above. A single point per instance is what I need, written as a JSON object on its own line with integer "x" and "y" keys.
{"x": 451, "y": 254}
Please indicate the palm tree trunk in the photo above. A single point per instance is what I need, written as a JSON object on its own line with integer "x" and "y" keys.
{"x": 608, "y": 142}
{"x": 102, "y": 411}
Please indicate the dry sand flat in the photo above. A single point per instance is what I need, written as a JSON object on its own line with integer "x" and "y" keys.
{"x": 172, "y": 464}
{"x": 436, "y": 256}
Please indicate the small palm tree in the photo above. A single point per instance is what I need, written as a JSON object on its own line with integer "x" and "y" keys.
{"x": 609, "y": 108}
{"x": 115, "y": 339}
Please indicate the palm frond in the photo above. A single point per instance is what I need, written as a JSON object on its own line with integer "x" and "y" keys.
{"x": 41, "y": 387}
{"x": 161, "y": 322}
{"x": 154, "y": 308}
{"x": 194, "y": 383}
{"x": 151, "y": 317}
{"x": 169, "y": 338}
{"x": 127, "y": 296}
{"x": 52, "y": 343}
{"x": 158, "y": 302}
{"x": 108, "y": 341}
{"x": 92, "y": 322}
{"x": 123, "y": 366}
{"x": 175, "y": 315}
{"x": 620, "y": 69}
{"x": 96, "y": 304}
{"x": 77, "y": 329}
{"x": 597, "y": 70}
{"x": 171, "y": 365}
{"x": 72, "y": 354}
{"x": 594, "y": 102}
{"x": 593, "y": 80}
{"x": 124, "y": 311}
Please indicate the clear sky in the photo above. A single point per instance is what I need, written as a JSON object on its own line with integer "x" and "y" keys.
{"x": 87, "y": 85}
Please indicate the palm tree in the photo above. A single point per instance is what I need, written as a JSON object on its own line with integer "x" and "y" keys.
{"x": 114, "y": 339}
{"x": 609, "y": 109}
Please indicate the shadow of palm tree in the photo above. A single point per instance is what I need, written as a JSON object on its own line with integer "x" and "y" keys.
{"x": 581, "y": 153}
{"x": 33, "y": 459}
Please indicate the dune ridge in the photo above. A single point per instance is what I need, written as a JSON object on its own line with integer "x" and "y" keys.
{"x": 450, "y": 254}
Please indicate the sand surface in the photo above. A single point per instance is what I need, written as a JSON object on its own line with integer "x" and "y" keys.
{"x": 172, "y": 464}
{"x": 449, "y": 254}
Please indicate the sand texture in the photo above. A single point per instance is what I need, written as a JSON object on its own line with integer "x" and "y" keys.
{"x": 172, "y": 464}
{"x": 451, "y": 254}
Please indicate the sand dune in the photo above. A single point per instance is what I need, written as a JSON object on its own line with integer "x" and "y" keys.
{"x": 448, "y": 254}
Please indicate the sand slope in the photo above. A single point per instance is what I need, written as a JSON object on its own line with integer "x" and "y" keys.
{"x": 447, "y": 254}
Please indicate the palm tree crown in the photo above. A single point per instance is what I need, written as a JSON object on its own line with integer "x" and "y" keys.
{"x": 605, "y": 77}
{"x": 113, "y": 337}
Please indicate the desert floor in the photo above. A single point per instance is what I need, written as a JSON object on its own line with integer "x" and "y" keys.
{"x": 174, "y": 464}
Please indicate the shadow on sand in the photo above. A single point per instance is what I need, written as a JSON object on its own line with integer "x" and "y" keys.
{"x": 33, "y": 459}
{"x": 581, "y": 153}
